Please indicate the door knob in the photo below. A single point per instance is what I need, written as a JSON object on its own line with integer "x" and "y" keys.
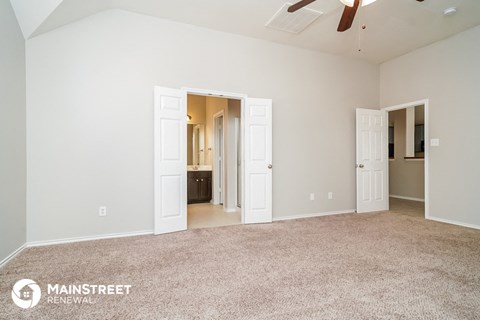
{"x": 361, "y": 166}
{"x": 270, "y": 166}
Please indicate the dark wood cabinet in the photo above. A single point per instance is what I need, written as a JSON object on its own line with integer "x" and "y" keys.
{"x": 199, "y": 186}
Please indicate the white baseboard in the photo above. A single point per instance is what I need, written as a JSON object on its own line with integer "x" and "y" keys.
{"x": 407, "y": 198}
{"x": 313, "y": 215}
{"x": 467, "y": 225}
{"x": 89, "y": 238}
{"x": 12, "y": 255}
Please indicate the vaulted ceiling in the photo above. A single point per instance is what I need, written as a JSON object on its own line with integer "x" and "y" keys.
{"x": 393, "y": 27}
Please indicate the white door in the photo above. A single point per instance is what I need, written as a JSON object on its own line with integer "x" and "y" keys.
{"x": 170, "y": 140}
{"x": 372, "y": 160}
{"x": 257, "y": 199}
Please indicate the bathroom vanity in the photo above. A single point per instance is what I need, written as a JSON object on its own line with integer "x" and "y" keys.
{"x": 199, "y": 186}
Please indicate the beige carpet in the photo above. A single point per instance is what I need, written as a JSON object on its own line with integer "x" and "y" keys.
{"x": 414, "y": 209}
{"x": 371, "y": 266}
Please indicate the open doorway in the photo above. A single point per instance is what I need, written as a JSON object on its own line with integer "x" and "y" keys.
{"x": 406, "y": 137}
{"x": 212, "y": 164}
{"x": 408, "y": 159}
{"x": 170, "y": 158}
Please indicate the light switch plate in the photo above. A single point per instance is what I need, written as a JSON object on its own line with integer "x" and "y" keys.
{"x": 434, "y": 142}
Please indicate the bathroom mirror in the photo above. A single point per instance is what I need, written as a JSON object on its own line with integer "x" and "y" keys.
{"x": 195, "y": 144}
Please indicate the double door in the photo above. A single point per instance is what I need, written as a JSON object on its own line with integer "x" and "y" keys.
{"x": 170, "y": 160}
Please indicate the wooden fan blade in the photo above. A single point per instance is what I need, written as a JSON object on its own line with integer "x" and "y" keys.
{"x": 299, "y": 5}
{"x": 348, "y": 16}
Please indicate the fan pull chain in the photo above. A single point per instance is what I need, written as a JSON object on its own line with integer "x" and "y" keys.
{"x": 360, "y": 38}
{"x": 362, "y": 27}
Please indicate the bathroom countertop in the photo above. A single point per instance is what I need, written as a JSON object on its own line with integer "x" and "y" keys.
{"x": 199, "y": 168}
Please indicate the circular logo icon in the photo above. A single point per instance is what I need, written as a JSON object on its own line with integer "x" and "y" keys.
{"x": 26, "y": 293}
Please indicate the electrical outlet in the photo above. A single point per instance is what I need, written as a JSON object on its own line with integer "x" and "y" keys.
{"x": 312, "y": 196}
{"x": 102, "y": 211}
{"x": 330, "y": 195}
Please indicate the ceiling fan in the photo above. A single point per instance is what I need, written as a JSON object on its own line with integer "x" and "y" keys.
{"x": 349, "y": 12}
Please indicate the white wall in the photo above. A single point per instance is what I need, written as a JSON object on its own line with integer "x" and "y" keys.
{"x": 447, "y": 73}
{"x": 90, "y": 111}
{"x": 12, "y": 133}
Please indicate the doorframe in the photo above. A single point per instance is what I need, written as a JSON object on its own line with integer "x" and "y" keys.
{"x": 227, "y": 95}
{"x": 425, "y": 103}
{"x": 215, "y": 167}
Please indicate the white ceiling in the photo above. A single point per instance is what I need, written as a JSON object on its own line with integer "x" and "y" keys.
{"x": 394, "y": 27}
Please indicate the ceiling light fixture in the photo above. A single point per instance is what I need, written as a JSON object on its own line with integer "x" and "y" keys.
{"x": 351, "y": 2}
